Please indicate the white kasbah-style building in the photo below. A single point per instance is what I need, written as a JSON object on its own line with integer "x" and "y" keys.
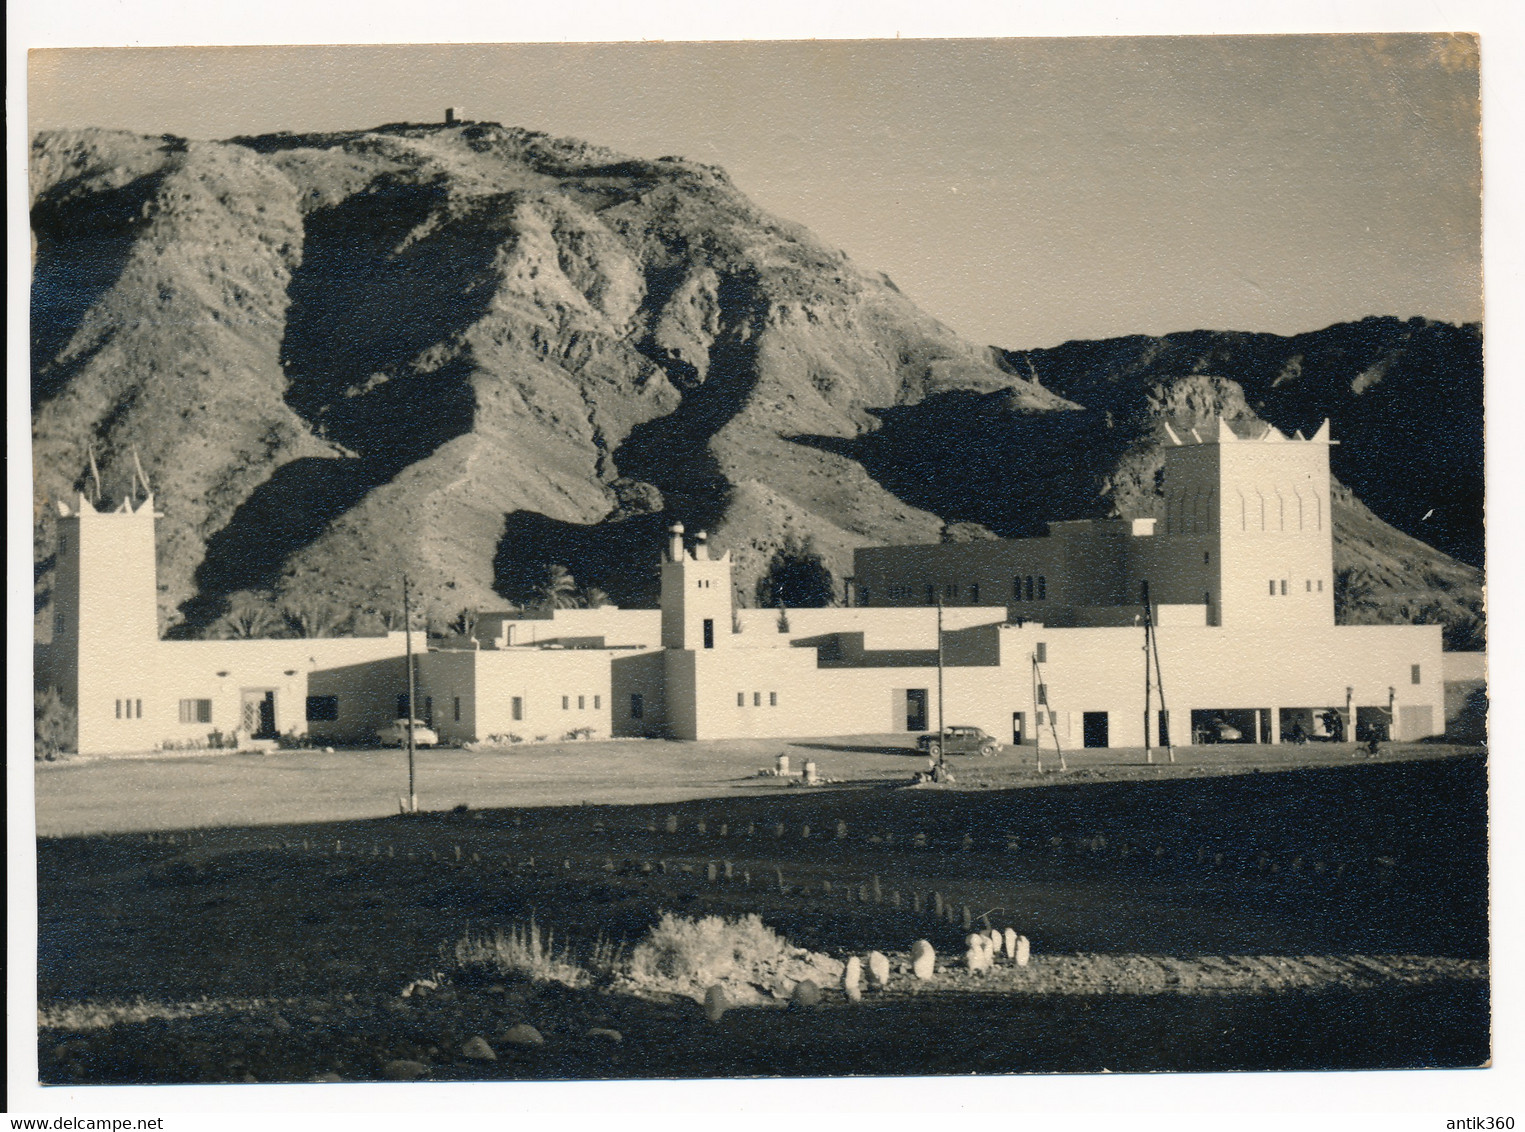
{"x": 1042, "y": 639}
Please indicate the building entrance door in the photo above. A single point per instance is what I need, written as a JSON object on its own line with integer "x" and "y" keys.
{"x": 257, "y": 714}
{"x": 916, "y": 709}
{"x": 1018, "y": 728}
{"x": 1095, "y": 724}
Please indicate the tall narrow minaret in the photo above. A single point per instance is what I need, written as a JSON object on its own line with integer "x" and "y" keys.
{"x": 105, "y": 612}
{"x": 696, "y": 595}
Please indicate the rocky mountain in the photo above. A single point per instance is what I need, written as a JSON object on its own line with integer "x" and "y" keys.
{"x": 471, "y": 351}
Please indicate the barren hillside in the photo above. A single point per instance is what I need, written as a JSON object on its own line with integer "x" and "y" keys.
{"x": 470, "y": 351}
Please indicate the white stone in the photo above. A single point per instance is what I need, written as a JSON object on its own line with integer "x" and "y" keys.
{"x": 1010, "y": 940}
{"x": 715, "y": 1003}
{"x": 878, "y": 970}
{"x": 852, "y": 979}
{"x": 923, "y": 959}
{"x": 523, "y": 1035}
{"x": 977, "y": 959}
{"x": 1024, "y": 951}
{"x": 477, "y": 1049}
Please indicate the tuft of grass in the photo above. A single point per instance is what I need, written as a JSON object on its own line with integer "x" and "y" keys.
{"x": 691, "y": 955}
{"x": 523, "y": 951}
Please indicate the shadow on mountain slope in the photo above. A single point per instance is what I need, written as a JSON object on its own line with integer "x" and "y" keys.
{"x": 83, "y": 244}
{"x": 963, "y": 456}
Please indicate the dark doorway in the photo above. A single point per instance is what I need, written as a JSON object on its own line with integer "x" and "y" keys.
{"x": 916, "y": 709}
{"x": 709, "y": 633}
{"x": 1094, "y": 726}
{"x": 258, "y": 713}
{"x": 1018, "y": 728}
{"x": 1373, "y": 723}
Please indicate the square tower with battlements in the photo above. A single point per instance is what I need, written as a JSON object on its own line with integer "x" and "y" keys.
{"x": 696, "y": 595}
{"x": 1245, "y": 528}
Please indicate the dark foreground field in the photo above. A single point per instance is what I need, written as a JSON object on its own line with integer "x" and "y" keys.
{"x": 1326, "y": 917}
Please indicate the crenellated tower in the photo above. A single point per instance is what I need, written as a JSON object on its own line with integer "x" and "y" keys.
{"x": 1246, "y": 527}
{"x": 696, "y": 594}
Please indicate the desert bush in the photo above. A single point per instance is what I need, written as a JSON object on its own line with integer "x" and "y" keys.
{"x": 525, "y": 952}
{"x": 56, "y": 726}
{"x": 692, "y": 955}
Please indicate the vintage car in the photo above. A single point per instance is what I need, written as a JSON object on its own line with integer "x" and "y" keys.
{"x": 395, "y": 734}
{"x": 959, "y": 741}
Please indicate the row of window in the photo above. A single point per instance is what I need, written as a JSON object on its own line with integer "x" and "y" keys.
{"x": 1028, "y": 587}
{"x": 582, "y": 703}
{"x": 129, "y": 709}
{"x": 1308, "y": 586}
{"x": 741, "y": 699}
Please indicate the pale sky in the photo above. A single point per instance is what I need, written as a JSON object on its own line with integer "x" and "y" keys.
{"x": 1024, "y": 191}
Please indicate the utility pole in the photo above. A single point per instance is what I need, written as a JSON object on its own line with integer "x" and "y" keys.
{"x": 407, "y": 627}
{"x": 1152, "y": 645}
{"x": 942, "y": 739}
{"x": 1148, "y": 685}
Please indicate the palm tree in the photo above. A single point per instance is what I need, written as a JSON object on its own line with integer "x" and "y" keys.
{"x": 311, "y": 617}
{"x": 557, "y": 589}
{"x": 249, "y": 615}
{"x": 594, "y": 598}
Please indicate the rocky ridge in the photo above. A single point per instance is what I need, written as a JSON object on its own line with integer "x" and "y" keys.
{"x": 469, "y": 351}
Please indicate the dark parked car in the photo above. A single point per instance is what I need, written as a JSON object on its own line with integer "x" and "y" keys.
{"x": 959, "y": 741}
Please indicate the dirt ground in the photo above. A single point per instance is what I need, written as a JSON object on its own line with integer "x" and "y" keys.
{"x": 1220, "y": 913}
{"x": 186, "y": 791}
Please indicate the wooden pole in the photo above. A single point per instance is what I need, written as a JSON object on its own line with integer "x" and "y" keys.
{"x": 1148, "y": 746}
{"x": 1159, "y": 680}
{"x": 942, "y": 754}
{"x": 407, "y": 628}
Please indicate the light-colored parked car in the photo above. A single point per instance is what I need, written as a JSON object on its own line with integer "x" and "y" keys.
{"x": 395, "y": 734}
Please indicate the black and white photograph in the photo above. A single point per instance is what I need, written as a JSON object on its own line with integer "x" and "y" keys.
{"x": 790, "y": 559}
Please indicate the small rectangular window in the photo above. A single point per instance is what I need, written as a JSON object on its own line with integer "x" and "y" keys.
{"x": 1041, "y": 652}
{"x": 773, "y": 699}
{"x": 1043, "y": 694}
{"x": 1308, "y": 586}
{"x": 580, "y": 703}
{"x": 931, "y": 595}
{"x": 950, "y": 592}
{"x": 1321, "y": 585}
{"x": 1284, "y": 587}
{"x": 974, "y": 593}
{"x": 1414, "y": 674}
{"x": 1042, "y": 588}
{"x": 757, "y": 699}
{"x": 402, "y": 705}
{"x": 457, "y": 709}
{"x": 139, "y": 705}
{"x": 517, "y": 707}
{"x": 566, "y": 703}
{"x": 1027, "y": 587}
{"x": 637, "y": 705}
{"x": 119, "y": 709}
{"x": 741, "y": 699}
{"x": 1207, "y": 556}
{"x": 598, "y": 702}
{"x": 1272, "y": 584}
{"x": 58, "y": 625}
{"x": 195, "y": 711}
{"x": 321, "y": 709}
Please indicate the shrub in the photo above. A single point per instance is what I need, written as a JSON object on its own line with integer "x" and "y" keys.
{"x": 692, "y": 955}
{"x": 524, "y": 952}
{"x": 56, "y": 724}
